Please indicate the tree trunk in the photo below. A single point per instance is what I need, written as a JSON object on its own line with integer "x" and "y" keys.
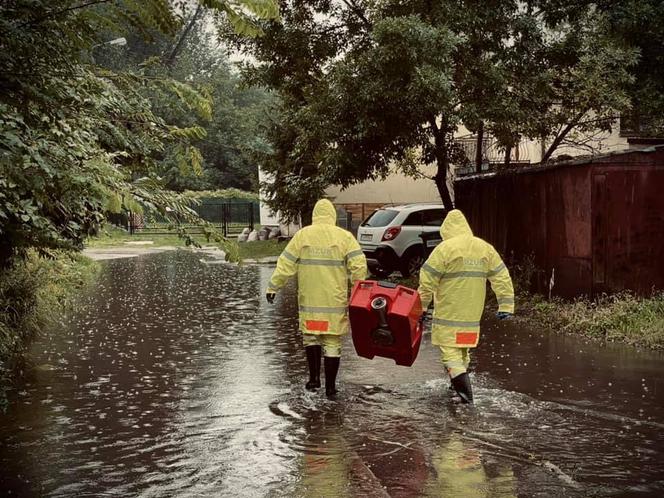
{"x": 306, "y": 216}
{"x": 441, "y": 184}
{"x": 508, "y": 155}
{"x": 478, "y": 150}
{"x": 178, "y": 46}
{"x": 443, "y": 161}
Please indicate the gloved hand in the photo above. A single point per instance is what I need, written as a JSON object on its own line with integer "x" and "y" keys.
{"x": 503, "y": 315}
{"x": 270, "y": 297}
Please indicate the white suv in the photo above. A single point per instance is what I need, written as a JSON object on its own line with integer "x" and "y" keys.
{"x": 395, "y": 238}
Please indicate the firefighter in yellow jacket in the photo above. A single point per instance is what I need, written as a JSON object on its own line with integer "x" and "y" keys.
{"x": 322, "y": 255}
{"x": 454, "y": 277}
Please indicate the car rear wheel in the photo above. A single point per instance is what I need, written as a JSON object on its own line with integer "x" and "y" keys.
{"x": 412, "y": 262}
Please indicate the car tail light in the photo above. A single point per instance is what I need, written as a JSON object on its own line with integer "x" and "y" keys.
{"x": 391, "y": 233}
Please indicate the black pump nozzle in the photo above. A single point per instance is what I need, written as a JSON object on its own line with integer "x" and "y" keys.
{"x": 381, "y": 335}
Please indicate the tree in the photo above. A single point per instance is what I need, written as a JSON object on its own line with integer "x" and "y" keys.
{"x": 636, "y": 25}
{"x": 77, "y": 139}
{"x": 387, "y": 99}
{"x": 582, "y": 84}
{"x": 292, "y": 55}
{"x": 230, "y": 135}
{"x": 368, "y": 86}
{"x": 640, "y": 24}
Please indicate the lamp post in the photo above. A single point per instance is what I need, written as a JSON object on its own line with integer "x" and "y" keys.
{"x": 120, "y": 42}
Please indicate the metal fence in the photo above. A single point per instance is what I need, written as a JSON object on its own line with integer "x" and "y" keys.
{"x": 228, "y": 217}
{"x": 493, "y": 155}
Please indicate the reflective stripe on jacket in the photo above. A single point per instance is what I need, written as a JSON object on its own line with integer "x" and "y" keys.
{"x": 322, "y": 255}
{"x": 455, "y": 276}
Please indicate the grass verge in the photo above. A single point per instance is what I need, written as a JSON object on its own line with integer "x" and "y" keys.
{"x": 30, "y": 291}
{"x": 112, "y": 236}
{"x": 623, "y": 317}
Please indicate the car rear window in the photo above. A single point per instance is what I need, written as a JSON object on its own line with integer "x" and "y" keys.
{"x": 380, "y": 218}
{"x": 413, "y": 220}
{"x": 433, "y": 217}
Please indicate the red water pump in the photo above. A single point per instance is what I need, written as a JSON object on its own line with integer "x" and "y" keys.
{"x": 384, "y": 321}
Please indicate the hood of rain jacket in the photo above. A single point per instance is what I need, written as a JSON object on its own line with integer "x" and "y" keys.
{"x": 324, "y": 213}
{"x": 455, "y": 224}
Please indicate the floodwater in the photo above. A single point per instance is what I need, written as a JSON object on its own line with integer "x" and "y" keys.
{"x": 173, "y": 377}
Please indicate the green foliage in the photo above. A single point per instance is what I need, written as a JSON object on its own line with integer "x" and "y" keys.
{"x": 227, "y": 134}
{"x": 243, "y": 15}
{"x": 640, "y": 24}
{"x": 30, "y": 291}
{"x": 76, "y": 138}
{"x": 363, "y": 84}
{"x": 588, "y": 76}
{"x": 229, "y": 194}
{"x": 408, "y": 64}
{"x": 635, "y": 25}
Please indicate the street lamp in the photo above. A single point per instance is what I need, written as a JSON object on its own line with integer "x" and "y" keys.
{"x": 120, "y": 42}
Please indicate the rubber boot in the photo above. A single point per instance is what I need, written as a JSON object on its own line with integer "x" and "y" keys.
{"x": 313, "y": 359}
{"x": 331, "y": 369}
{"x": 461, "y": 385}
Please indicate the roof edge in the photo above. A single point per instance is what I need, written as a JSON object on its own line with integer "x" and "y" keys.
{"x": 581, "y": 160}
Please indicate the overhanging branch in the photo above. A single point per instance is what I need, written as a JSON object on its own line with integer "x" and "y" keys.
{"x": 58, "y": 13}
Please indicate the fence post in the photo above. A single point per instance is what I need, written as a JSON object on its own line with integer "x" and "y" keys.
{"x": 478, "y": 148}
{"x": 224, "y": 219}
{"x": 251, "y": 215}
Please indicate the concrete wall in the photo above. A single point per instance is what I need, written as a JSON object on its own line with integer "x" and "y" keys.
{"x": 400, "y": 189}
{"x": 267, "y": 218}
{"x": 395, "y": 189}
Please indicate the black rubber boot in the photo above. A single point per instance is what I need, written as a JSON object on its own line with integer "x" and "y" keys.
{"x": 461, "y": 384}
{"x": 331, "y": 369}
{"x": 313, "y": 359}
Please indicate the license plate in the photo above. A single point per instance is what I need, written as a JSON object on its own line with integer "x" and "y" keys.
{"x": 366, "y": 236}
{"x": 434, "y": 242}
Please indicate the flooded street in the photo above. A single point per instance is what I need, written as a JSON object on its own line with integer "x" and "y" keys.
{"x": 174, "y": 377}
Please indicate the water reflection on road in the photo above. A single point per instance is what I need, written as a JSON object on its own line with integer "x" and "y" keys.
{"x": 174, "y": 378}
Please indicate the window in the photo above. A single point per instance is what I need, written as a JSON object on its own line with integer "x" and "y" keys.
{"x": 380, "y": 218}
{"x": 433, "y": 217}
{"x": 413, "y": 219}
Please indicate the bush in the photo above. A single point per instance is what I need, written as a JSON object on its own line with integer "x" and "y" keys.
{"x": 30, "y": 290}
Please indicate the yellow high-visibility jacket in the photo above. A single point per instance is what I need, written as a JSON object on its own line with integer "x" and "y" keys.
{"x": 455, "y": 278}
{"x": 322, "y": 255}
